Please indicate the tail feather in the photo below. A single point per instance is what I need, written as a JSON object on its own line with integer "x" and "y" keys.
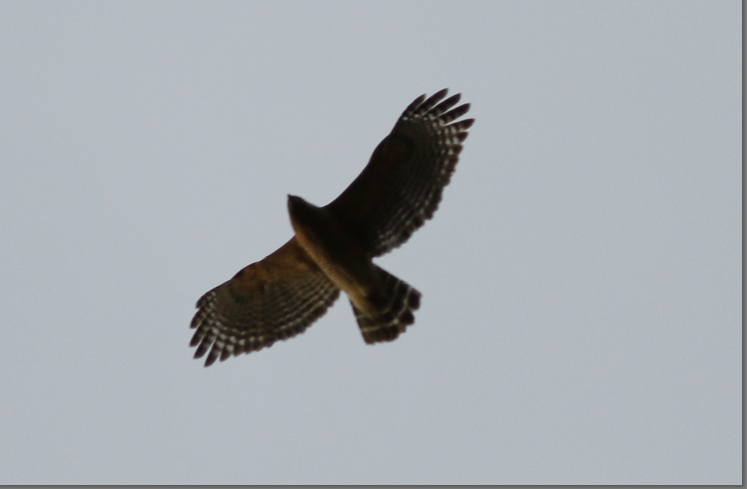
{"x": 393, "y": 314}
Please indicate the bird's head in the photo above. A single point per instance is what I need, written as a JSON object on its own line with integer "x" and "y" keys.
{"x": 301, "y": 212}
{"x": 296, "y": 205}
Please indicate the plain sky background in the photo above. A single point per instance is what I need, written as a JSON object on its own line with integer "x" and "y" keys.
{"x": 581, "y": 280}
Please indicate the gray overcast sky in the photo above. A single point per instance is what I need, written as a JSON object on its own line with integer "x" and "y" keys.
{"x": 581, "y": 312}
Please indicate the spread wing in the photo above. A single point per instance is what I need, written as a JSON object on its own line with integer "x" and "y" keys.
{"x": 401, "y": 186}
{"x": 273, "y": 299}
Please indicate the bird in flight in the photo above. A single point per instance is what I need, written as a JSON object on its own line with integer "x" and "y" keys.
{"x": 333, "y": 246}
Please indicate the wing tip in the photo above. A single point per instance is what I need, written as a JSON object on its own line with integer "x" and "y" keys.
{"x": 435, "y": 107}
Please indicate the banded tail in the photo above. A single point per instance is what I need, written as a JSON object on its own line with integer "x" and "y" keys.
{"x": 393, "y": 315}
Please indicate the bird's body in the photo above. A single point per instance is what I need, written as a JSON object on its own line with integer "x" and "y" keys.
{"x": 334, "y": 246}
{"x": 335, "y": 252}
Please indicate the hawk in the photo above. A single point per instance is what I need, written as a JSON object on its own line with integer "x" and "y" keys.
{"x": 333, "y": 247}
